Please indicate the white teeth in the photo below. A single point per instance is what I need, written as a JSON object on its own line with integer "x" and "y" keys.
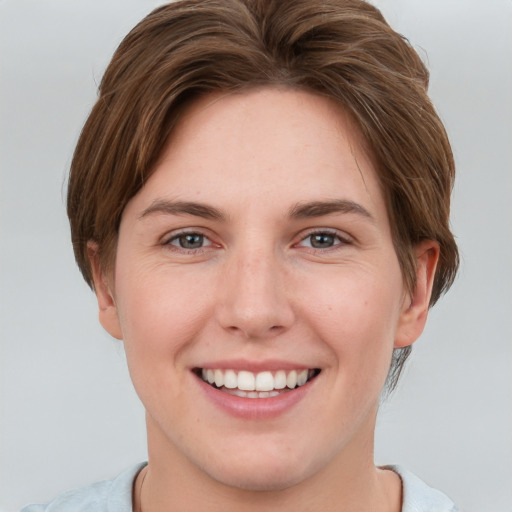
{"x": 280, "y": 380}
{"x": 237, "y": 392}
{"x": 264, "y": 381}
{"x": 230, "y": 379}
{"x": 219, "y": 378}
{"x": 302, "y": 378}
{"x": 246, "y": 381}
{"x": 252, "y": 394}
{"x": 291, "y": 379}
{"x": 260, "y": 385}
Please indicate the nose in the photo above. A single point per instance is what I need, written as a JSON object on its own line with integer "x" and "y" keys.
{"x": 253, "y": 301}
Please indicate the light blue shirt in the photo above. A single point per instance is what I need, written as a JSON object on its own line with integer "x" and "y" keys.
{"x": 116, "y": 496}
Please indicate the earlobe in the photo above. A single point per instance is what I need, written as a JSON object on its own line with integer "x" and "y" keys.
{"x": 415, "y": 309}
{"x": 107, "y": 309}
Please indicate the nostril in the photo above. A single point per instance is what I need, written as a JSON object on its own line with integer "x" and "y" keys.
{"x": 256, "y": 331}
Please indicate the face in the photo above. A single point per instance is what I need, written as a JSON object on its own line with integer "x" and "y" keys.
{"x": 258, "y": 257}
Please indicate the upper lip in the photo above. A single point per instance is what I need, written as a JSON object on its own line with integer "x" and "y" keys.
{"x": 254, "y": 366}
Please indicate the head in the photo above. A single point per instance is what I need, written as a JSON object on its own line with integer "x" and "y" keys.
{"x": 342, "y": 50}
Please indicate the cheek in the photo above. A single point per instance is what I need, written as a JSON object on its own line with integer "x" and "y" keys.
{"x": 356, "y": 312}
{"x": 160, "y": 318}
{"x": 358, "y": 299}
{"x": 159, "y": 310}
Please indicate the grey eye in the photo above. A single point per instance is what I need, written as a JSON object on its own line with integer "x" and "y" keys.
{"x": 189, "y": 241}
{"x": 322, "y": 240}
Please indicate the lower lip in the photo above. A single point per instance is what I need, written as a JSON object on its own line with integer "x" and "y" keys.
{"x": 255, "y": 408}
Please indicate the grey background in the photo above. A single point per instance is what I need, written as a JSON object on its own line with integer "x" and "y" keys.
{"x": 69, "y": 415}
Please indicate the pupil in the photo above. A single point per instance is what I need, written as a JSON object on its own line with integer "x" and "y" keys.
{"x": 322, "y": 241}
{"x": 191, "y": 241}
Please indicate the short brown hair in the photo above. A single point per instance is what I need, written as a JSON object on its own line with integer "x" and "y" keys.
{"x": 342, "y": 49}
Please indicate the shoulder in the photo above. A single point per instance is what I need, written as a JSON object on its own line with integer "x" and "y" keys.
{"x": 419, "y": 497}
{"x": 106, "y": 496}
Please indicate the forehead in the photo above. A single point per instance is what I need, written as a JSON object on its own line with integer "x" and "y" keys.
{"x": 277, "y": 143}
{"x": 268, "y": 116}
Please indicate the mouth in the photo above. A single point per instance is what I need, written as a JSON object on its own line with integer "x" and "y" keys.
{"x": 265, "y": 384}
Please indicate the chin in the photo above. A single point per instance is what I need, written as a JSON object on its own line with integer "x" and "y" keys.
{"x": 266, "y": 479}
{"x": 258, "y": 474}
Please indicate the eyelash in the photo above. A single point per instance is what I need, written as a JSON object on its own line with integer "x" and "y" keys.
{"x": 177, "y": 247}
{"x": 341, "y": 241}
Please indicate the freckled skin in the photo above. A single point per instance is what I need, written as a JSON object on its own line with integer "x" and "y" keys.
{"x": 256, "y": 290}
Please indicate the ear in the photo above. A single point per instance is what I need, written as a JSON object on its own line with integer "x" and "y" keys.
{"x": 108, "y": 316}
{"x": 416, "y": 304}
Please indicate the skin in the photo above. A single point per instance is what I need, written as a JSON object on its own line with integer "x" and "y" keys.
{"x": 256, "y": 290}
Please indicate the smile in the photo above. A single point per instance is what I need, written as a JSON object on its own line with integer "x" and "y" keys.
{"x": 265, "y": 384}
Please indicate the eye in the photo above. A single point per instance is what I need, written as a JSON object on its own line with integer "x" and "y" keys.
{"x": 322, "y": 240}
{"x": 189, "y": 241}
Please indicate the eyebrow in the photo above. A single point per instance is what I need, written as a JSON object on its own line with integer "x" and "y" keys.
{"x": 299, "y": 211}
{"x": 320, "y": 208}
{"x": 183, "y": 208}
